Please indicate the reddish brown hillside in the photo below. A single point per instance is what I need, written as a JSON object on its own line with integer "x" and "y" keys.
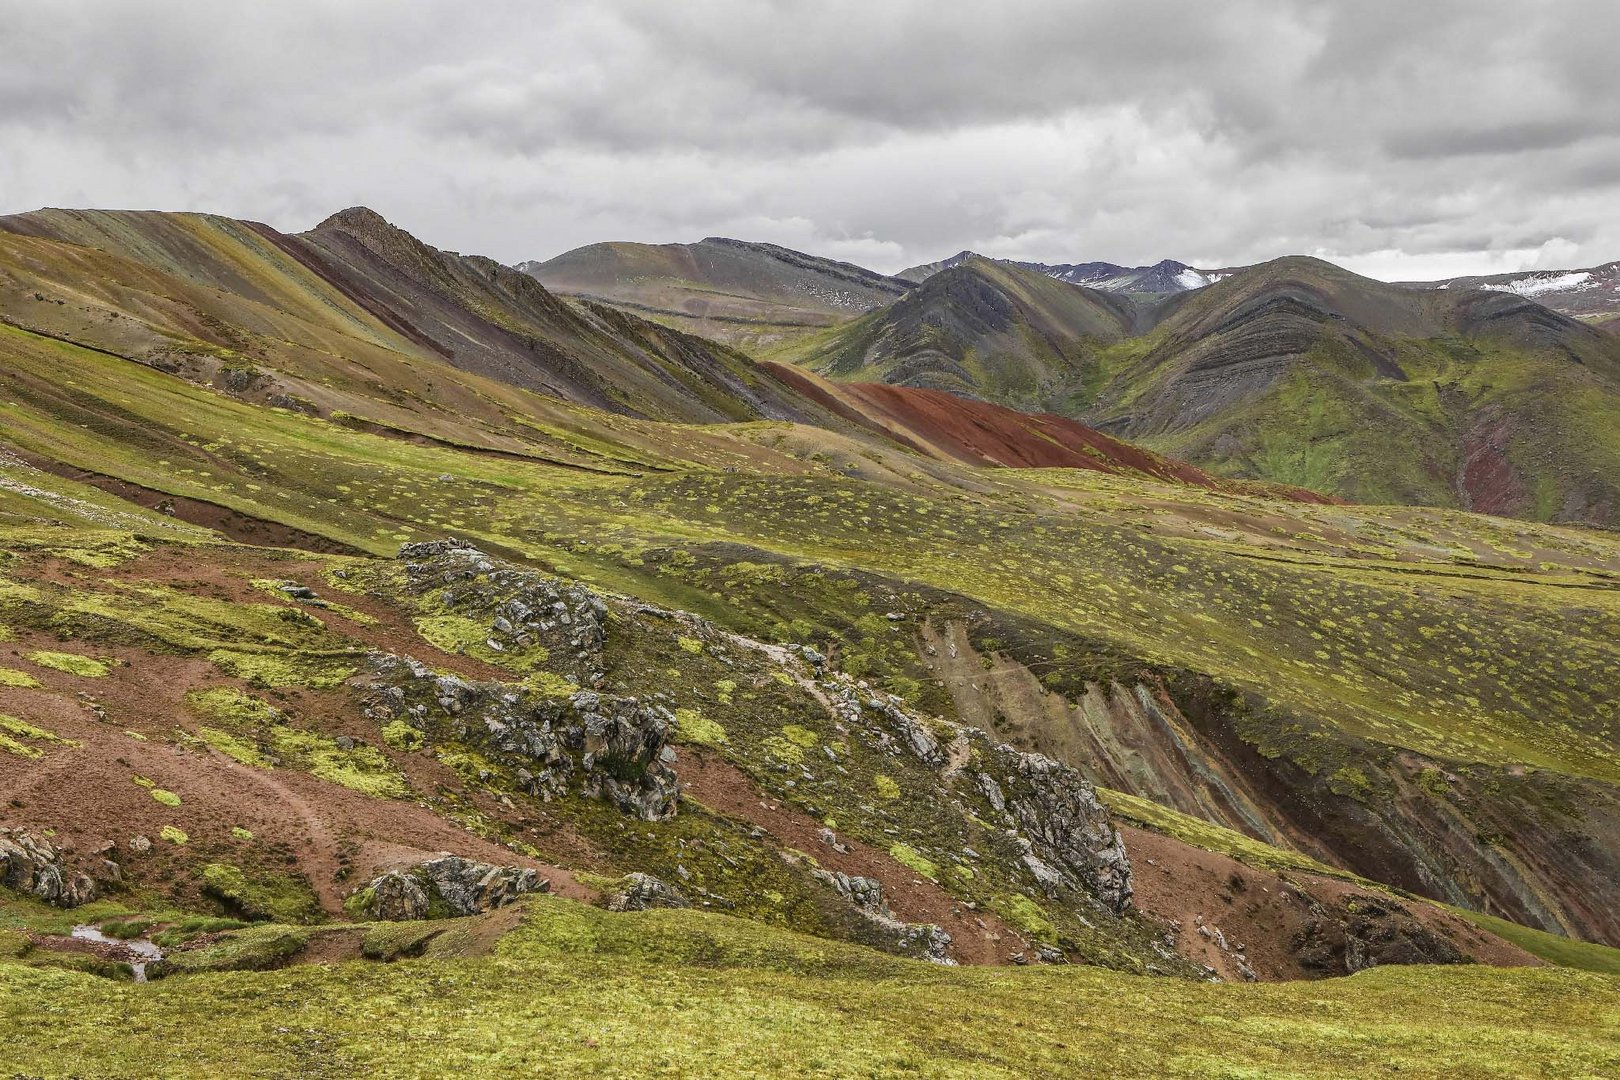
{"x": 946, "y": 425}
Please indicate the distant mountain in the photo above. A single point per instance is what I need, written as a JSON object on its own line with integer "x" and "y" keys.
{"x": 986, "y": 329}
{"x": 358, "y": 321}
{"x": 729, "y": 290}
{"x": 355, "y": 274}
{"x": 1294, "y": 371}
{"x": 1161, "y": 279}
{"x": 1591, "y": 294}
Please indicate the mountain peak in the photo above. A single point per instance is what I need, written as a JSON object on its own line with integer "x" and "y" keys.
{"x": 357, "y": 219}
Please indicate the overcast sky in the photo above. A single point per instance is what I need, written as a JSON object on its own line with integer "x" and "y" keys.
{"x": 1401, "y": 138}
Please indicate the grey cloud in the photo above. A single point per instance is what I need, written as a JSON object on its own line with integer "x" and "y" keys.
{"x": 891, "y": 132}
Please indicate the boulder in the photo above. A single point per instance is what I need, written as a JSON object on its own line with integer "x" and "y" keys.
{"x": 31, "y": 865}
{"x": 446, "y": 886}
{"x": 640, "y": 892}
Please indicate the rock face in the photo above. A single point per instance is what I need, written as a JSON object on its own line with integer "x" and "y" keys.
{"x": 1051, "y": 810}
{"x": 447, "y": 886}
{"x": 605, "y": 746}
{"x": 1068, "y": 829}
{"x": 33, "y": 866}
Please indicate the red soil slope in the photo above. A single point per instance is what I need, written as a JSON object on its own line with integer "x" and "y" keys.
{"x": 978, "y": 433}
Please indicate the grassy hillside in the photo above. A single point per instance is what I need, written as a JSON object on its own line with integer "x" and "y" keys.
{"x": 866, "y": 657}
{"x": 355, "y": 303}
{"x": 580, "y": 992}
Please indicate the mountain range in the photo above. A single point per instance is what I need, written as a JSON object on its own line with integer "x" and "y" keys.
{"x": 384, "y": 633}
{"x": 1161, "y": 279}
{"x": 729, "y": 290}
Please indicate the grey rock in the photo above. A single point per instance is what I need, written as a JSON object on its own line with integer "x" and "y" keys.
{"x": 1069, "y": 830}
{"x": 396, "y": 896}
{"x": 864, "y": 892}
{"x": 643, "y": 891}
{"x": 33, "y": 866}
{"x": 601, "y": 745}
{"x": 464, "y": 886}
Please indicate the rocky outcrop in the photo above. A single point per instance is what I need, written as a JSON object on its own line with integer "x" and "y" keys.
{"x": 1071, "y": 838}
{"x": 641, "y": 892}
{"x": 925, "y": 941}
{"x": 1066, "y": 838}
{"x": 447, "y": 886}
{"x": 33, "y": 866}
{"x": 519, "y": 608}
{"x": 1360, "y": 933}
{"x": 602, "y": 745}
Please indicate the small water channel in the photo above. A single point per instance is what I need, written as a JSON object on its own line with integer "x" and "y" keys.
{"x": 142, "y": 952}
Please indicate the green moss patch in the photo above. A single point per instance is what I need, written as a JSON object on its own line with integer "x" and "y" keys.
{"x": 261, "y": 895}
{"x": 72, "y": 663}
{"x": 255, "y": 733}
{"x": 282, "y": 669}
{"x": 13, "y": 731}
{"x": 19, "y": 679}
{"x": 693, "y": 727}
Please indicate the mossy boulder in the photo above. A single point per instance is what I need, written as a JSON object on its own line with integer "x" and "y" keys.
{"x": 441, "y": 888}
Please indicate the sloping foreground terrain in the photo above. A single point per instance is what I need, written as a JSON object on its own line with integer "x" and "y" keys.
{"x": 816, "y": 713}
{"x": 1292, "y": 371}
{"x": 576, "y": 992}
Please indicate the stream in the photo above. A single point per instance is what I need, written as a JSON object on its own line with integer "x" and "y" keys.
{"x": 143, "y": 951}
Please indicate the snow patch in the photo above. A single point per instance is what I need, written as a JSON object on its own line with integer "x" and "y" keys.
{"x": 1537, "y": 284}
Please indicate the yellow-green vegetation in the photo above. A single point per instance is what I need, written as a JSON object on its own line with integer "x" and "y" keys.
{"x": 260, "y": 894}
{"x": 72, "y": 663}
{"x": 886, "y": 787}
{"x": 272, "y": 670}
{"x": 13, "y": 730}
{"x": 401, "y": 736}
{"x": 1550, "y": 947}
{"x": 909, "y": 857}
{"x": 167, "y": 798}
{"x": 19, "y": 679}
{"x": 255, "y": 733}
{"x": 693, "y": 727}
{"x": 577, "y": 991}
{"x": 459, "y": 634}
{"x": 174, "y": 834}
{"x": 1211, "y": 837}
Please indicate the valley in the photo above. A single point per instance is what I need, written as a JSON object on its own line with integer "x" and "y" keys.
{"x": 381, "y": 631}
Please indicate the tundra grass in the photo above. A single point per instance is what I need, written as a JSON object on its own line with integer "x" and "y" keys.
{"x": 577, "y": 991}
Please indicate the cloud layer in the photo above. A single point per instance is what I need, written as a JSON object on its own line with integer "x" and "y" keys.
{"x": 1400, "y": 139}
